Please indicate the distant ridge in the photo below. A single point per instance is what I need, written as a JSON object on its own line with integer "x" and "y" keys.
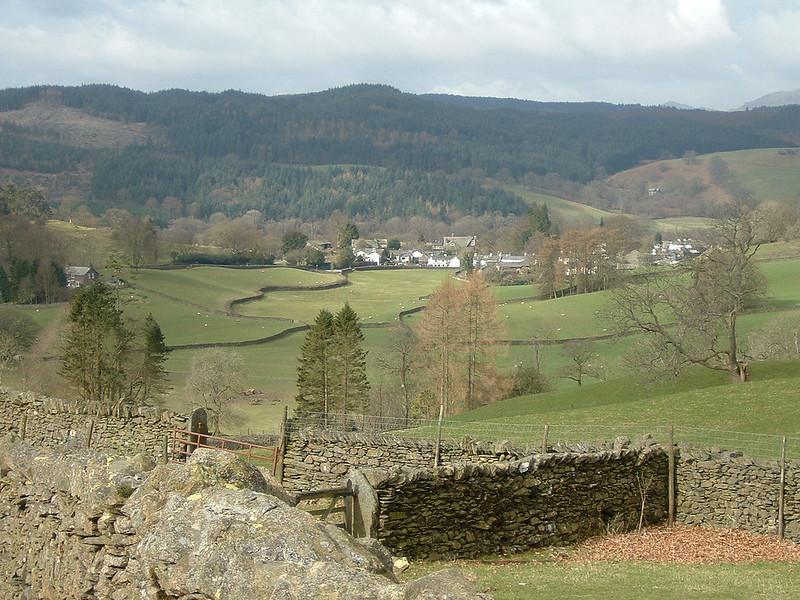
{"x": 773, "y": 99}
{"x": 679, "y": 106}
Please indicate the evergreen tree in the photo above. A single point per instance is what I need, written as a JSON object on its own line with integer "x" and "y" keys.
{"x": 314, "y": 373}
{"x": 351, "y": 387}
{"x": 5, "y": 286}
{"x": 148, "y": 382}
{"x": 96, "y": 346}
{"x": 347, "y": 234}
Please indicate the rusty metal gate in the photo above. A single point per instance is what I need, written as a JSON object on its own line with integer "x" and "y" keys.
{"x": 185, "y": 442}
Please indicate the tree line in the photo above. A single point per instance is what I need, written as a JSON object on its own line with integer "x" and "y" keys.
{"x": 31, "y": 265}
{"x": 448, "y": 359}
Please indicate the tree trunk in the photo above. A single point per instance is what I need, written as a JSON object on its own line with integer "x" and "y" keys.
{"x": 738, "y": 368}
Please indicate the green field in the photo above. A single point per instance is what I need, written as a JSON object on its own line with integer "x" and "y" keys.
{"x": 677, "y": 225}
{"x": 545, "y": 579}
{"x": 566, "y": 211}
{"x": 765, "y": 173}
{"x": 377, "y": 296}
{"x": 783, "y": 277}
{"x": 769, "y": 176}
{"x": 215, "y": 287}
{"x": 504, "y": 293}
{"x": 779, "y": 250}
{"x": 83, "y": 245}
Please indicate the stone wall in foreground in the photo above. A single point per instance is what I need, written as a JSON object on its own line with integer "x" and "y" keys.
{"x": 727, "y": 489}
{"x": 468, "y": 510}
{"x": 49, "y": 422}
{"x": 314, "y": 460}
{"x": 80, "y": 525}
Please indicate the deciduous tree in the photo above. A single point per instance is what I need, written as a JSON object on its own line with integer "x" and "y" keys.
{"x": 691, "y": 316}
{"x": 215, "y": 382}
{"x": 583, "y": 362}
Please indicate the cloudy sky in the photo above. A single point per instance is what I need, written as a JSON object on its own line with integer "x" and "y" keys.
{"x": 713, "y": 53}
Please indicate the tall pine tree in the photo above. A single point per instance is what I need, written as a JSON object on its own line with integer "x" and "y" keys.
{"x": 96, "y": 346}
{"x": 148, "y": 381}
{"x": 314, "y": 371}
{"x": 351, "y": 387}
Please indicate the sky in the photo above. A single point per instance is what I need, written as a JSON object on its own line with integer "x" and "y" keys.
{"x": 708, "y": 53}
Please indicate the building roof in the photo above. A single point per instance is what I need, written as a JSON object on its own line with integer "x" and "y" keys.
{"x": 78, "y": 271}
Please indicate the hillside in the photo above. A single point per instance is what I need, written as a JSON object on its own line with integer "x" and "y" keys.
{"x": 234, "y": 151}
{"x": 698, "y": 186}
{"x": 774, "y": 99}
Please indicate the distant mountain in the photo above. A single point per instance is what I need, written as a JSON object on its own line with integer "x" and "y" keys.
{"x": 294, "y": 156}
{"x": 773, "y": 99}
{"x": 679, "y": 106}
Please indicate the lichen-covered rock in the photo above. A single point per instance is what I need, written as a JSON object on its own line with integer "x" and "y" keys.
{"x": 80, "y": 525}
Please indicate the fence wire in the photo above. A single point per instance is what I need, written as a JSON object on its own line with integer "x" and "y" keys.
{"x": 530, "y": 437}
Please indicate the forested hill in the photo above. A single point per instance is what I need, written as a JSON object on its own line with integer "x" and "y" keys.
{"x": 434, "y": 137}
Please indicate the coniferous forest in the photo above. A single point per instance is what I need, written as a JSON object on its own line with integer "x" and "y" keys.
{"x": 364, "y": 150}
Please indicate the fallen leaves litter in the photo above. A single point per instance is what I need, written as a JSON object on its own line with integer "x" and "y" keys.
{"x": 683, "y": 544}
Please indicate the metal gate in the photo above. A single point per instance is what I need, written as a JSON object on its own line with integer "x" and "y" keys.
{"x": 185, "y": 442}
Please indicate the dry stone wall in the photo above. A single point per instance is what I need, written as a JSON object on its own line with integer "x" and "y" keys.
{"x": 314, "y": 460}
{"x": 466, "y": 510}
{"x": 727, "y": 489}
{"x": 80, "y": 525}
{"x": 50, "y": 422}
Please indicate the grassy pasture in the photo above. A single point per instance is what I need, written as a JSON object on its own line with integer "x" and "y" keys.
{"x": 783, "y": 278}
{"x": 545, "y": 579}
{"x": 764, "y": 172}
{"x": 83, "y": 245}
{"x": 699, "y": 398}
{"x": 215, "y": 287}
{"x": 183, "y": 324}
{"x": 673, "y": 225}
{"x": 377, "y": 296}
{"x": 563, "y": 210}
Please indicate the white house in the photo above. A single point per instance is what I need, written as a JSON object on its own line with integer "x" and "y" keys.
{"x": 438, "y": 260}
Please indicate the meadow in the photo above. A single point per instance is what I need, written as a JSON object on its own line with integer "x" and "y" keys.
{"x": 377, "y": 296}
{"x": 564, "y": 211}
{"x": 192, "y": 305}
{"x": 544, "y": 578}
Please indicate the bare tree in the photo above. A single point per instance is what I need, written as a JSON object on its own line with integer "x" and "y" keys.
{"x": 482, "y": 328}
{"x": 441, "y": 340}
{"x": 689, "y": 316}
{"x": 398, "y": 360}
{"x": 583, "y": 362}
{"x": 215, "y": 382}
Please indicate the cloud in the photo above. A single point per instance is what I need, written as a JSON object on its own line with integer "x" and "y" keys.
{"x": 620, "y": 50}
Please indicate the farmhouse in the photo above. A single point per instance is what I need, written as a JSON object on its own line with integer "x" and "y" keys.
{"x": 79, "y": 276}
{"x": 672, "y": 252}
{"x": 444, "y": 261}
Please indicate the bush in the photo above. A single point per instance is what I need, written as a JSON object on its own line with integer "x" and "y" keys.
{"x": 529, "y": 380}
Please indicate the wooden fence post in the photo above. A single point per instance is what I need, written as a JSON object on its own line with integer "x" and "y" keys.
{"x": 671, "y": 476}
{"x": 438, "y": 437}
{"x": 23, "y": 426}
{"x": 165, "y": 449}
{"x": 782, "y": 489}
{"x": 89, "y": 433}
{"x": 277, "y": 467}
{"x": 544, "y": 438}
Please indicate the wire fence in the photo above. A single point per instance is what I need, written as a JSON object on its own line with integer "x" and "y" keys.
{"x": 532, "y": 437}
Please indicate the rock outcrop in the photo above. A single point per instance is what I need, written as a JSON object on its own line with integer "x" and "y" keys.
{"x": 80, "y": 525}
